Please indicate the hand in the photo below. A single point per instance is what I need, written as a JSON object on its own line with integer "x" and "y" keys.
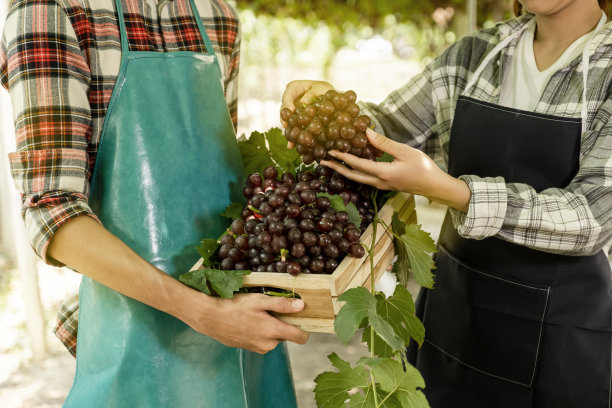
{"x": 411, "y": 171}
{"x": 305, "y": 91}
{"x": 244, "y": 321}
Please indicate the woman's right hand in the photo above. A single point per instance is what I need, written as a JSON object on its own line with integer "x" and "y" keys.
{"x": 302, "y": 91}
{"x": 244, "y": 321}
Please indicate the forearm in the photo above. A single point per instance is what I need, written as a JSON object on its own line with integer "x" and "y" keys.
{"x": 85, "y": 246}
{"x": 447, "y": 190}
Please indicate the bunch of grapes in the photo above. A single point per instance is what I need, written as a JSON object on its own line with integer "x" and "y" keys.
{"x": 286, "y": 227}
{"x": 329, "y": 122}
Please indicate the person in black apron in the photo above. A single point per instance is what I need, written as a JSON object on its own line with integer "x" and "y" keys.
{"x": 506, "y": 325}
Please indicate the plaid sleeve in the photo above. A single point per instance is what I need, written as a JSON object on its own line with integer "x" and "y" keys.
{"x": 575, "y": 220}
{"x": 47, "y": 76}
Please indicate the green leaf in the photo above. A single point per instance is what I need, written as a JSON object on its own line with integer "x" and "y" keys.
{"x": 386, "y": 157}
{"x": 286, "y": 159}
{"x": 255, "y": 154}
{"x": 233, "y": 211}
{"x": 196, "y": 280}
{"x": 331, "y": 390}
{"x": 404, "y": 382}
{"x": 353, "y": 213}
{"x": 399, "y": 311}
{"x": 359, "y": 303}
{"x": 207, "y": 249}
{"x": 414, "y": 253}
{"x": 380, "y": 347}
{"x": 225, "y": 283}
{"x": 336, "y": 202}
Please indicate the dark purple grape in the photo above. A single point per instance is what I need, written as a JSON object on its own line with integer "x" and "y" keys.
{"x": 331, "y": 251}
{"x": 301, "y": 149}
{"x": 292, "y": 210}
{"x": 242, "y": 242}
{"x": 227, "y": 264}
{"x": 226, "y": 239}
{"x": 257, "y": 200}
{"x": 352, "y": 234}
{"x": 265, "y": 208}
{"x": 308, "y": 196}
{"x": 254, "y": 180}
{"x": 255, "y": 261}
{"x": 224, "y": 250}
{"x": 330, "y": 214}
{"x": 344, "y": 245}
{"x": 302, "y": 186}
{"x": 325, "y": 225}
{"x": 314, "y": 251}
{"x": 290, "y": 223}
{"x": 294, "y": 198}
{"x": 252, "y": 241}
{"x": 281, "y": 212}
{"x": 264, "y": 238}
{"x": 335, "y": 235}
{"x": 242, "y": 266}
{"x": 266, "y": 258}
{"x": 307, "y": 214}
{"x": 246, "y": 212}
{"x": 304, "y": 261}
{"x": 315, "y": 184}
{"x": 317, "y": 266}
{"x": 294, "y": 235}
{"x": 346, "y": 196}
{"x": 259, "y": 228}
{"x": 310, "y": 239}
{"x": 253, "y": 252}
{"x": 262, "y": 268}
{"x": 356, "y": 151}
{"x": 307, "y": 176}
{"x": 336, "y": 185}
{"x": 283, "y": 190}
{"x": 258, "y": 190}
{"x": 319, "y": 152}
{"x": 330, "y": 265}
{"x": 288, "y": 179}
{"x": 293, "y": 268}
{"x": 247, "y": 192}
{"x": 268, "y": 184}
{"x": 279, "y": 242}
{"x": 237, "y": 227}
{"x": 322, "y": 203}
{"x": 276, "y": 227}
{"x": 281, "y": 266}
{"x": 298, "y": 250}
{"x": 271, "y": 267}
{"x": 276, "y": 200}
{"x": 324, "y": 240}
{"x": 324, "y": 172}
{"x": 342, "y": 217}
{"x": 308, "y": 158}
{"x": 356, "y": 250}
{"x": 307, "y": 225}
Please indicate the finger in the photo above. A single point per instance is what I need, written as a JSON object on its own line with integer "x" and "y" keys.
{"x": 363, "y": 165}
{"x": 293, "y": 90}
{"x": 383, "y": 143}
{"x": 284, "y": 305}
{"x": 309, "y": 96}
{"x": 354, "y": 174}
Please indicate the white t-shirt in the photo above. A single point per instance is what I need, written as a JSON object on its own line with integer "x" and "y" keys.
{"x": 524, "y": 82}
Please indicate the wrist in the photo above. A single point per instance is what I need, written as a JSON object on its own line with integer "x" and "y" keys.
{"x": 445, "y": 189}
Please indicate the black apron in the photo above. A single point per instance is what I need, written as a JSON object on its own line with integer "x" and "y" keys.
{"x": 509, "y": 326}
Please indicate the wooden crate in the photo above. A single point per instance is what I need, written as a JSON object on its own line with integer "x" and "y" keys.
{"x": 320, "y": 291}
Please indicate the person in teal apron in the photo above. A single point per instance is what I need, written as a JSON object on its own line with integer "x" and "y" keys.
{"x": 167, "y": 165}
{"x": 521, "y": 312}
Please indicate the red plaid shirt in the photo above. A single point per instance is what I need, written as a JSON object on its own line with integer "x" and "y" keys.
{"x": 59, "y": 60}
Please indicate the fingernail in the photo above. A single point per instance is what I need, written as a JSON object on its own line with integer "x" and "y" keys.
{"x": 370, "y": 132}
{"x": 297, "y": 304}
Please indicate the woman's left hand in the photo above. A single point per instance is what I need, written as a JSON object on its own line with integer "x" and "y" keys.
{"x": 411, "y": 171}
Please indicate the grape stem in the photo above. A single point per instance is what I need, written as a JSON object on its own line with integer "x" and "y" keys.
{"x": 371, "y": 254}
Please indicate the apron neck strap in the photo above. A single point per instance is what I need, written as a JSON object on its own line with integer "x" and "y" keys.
{"x": 585, "y": 65}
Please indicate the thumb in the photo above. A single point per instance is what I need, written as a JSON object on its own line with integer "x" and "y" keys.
{"x": 383, "y": 143}
{"x": 293, "y": 91}
{"x": 285, "y": 305}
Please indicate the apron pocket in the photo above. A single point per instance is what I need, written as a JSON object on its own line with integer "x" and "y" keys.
{"x": 485, "y": 321}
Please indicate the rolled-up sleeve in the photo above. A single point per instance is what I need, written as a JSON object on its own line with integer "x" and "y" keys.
{"x": 46, "y": 73}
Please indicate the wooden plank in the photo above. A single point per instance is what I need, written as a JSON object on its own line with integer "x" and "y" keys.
{"x": 311, "y": 325}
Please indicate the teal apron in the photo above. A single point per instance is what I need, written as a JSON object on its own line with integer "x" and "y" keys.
{"x": 167, "y": 165}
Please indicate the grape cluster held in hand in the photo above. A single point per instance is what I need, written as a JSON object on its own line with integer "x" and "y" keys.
{"x": 329, "y": 122}
{"x": 288, "y": 226}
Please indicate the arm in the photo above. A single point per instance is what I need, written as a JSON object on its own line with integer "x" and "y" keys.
{"x": 50, "y": 170}
{"x": 243, "y": 321}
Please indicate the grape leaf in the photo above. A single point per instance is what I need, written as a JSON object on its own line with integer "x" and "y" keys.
{"x": 255, "y": 154}
{"x": 386, "y": 157}
{"x": 353, "y": 213}
{"x": 225, "y": 283}
{"x": 233, "y": 211}
{"x": 399, "y": 311}
{"x": 401, "y": 267}
{"x": 286, "y": 159}
{"x": 415, "y": 247}
{"x": 331, "y": 390}
{"x": 404, "y": 381}
{"x": 380, "y": 347}
{"x": 367, "y": 400}
{"x": 337, "y": 203}
{"x": 196, "y": 280}
{"x": 359, "y": 302}
{"x": 207, "y": 249}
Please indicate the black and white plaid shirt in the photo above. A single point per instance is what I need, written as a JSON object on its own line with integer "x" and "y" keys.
{"x": 575, "y": 220}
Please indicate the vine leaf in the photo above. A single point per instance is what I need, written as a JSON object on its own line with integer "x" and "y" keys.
{"x": 399, "y": 312}
{"x": 332, "y": 388}
{"x": 403, "y": 380}
{"x": 414, "y": 252}
{"x": 337, "y": 203}
{"x": 361, "y": 304}
{"x": 207, "y": 248}
{"x": 223, "y": 283}
{"x": 261, "y": 150}
{"x": 286, "y": 159}
{"x": 233, "y": 211}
